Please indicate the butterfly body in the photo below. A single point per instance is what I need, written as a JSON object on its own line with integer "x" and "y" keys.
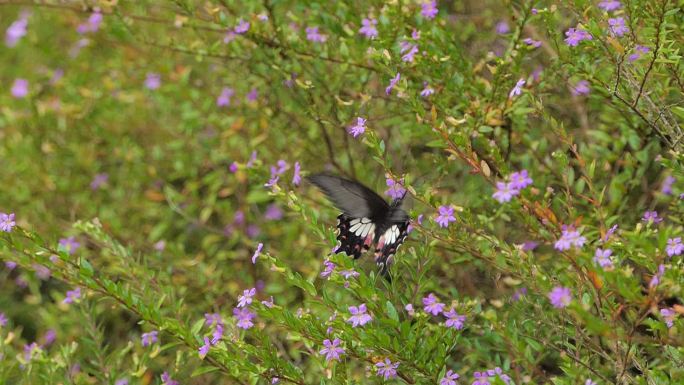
{"x": 367, "y": 219}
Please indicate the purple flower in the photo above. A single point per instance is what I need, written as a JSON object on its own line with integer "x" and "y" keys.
{"x": 409, "y": 309}
{"x": 669, "y": 316}
{"x": 358, "y": 315}
{"x": 257, "y": 252}
{"x": 212, "y": 319}
{"x": 160, "y": 245}
{"x": 609, "y": 233}
{"x": 204, "y": 349}
{"x": 224, "y": 99}
{"x": 3, "y": 320}
{"x": 387, "y": 369}
{"x": 651, "y": 217}
{"x": 296, "y": 177}
{"x": 569, "y": 237}
{"x": 532, "y": 43}
{"x": 393, "y": 82}
{"x": 244, "y": 317}
{"x": 11, "y": 265}
{"x": 674, "y": 246}
{"x": 518, "y": 294}
{"x": 639, "y": 50}
{"x": 92, "y": 24}
{"x": 121, "y": 381}
{"x": 217, "y": 334}
{"x": 617, "y": 26}
{"x": 446, "y": 215}
{"x": 502, "y": 27}
{"x": 449, "y": 378}
{"x": 252, "y": 95}
{"x": 517, "y": 89}
{"x": 246, "y": 297}
{"x": 498, "y": 372}
{"x": 42, "y": 272}
{"x": 359, "y": 128}
{"x": 99, "y": 180}
{"x": 412, "y": 51}
{"x": 233, "y": 167}
{"x": 72, "y": 296}
{"x": 504, "y": 192}
{"x": 395, "y": 190}
{"x": 609, "y": 5}
{"x": 149, "y": 338}
{"x": 655, "y": 280}
{"x": 230, "y": 36}
{"x": 575, "y": 35}
{"x": 428, "y": 9}
{"x": 16, "y": 30}
{"x": 454, "y": 320}
{"x": 432, "y": 305}
{"x": 241, "y": 27}
{"x": 580, "y": 88}
{"x": 273, "y": 212}
{"x": 166, "y": 379}
{"x": 349, "y": 273}
{"x": 602, "y": 258}
{"x": 152, "y": 81}
{"x": 20, "y": 88}
{"x": 589, "y": 381}
{"x": 520, "y": 180}
{"x": 7, "y": 222}
{"x": 666, "y": 187}
{"x": 560, "y": 297}
{"x": 70, "y": 245}
{"x": 329, "y": 267}
{"x": 312, "y": 34}
{"x": 30, "y": 349}
{"x": 368, "y": 28}
{"x": 331, "y": 350}
{"x": 427, "y": 91}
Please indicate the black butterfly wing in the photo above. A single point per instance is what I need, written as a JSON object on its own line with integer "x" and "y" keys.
{"x": 355, "y": 235}
{"x": 390, "y": 240}
{"x": 352, "y": 198}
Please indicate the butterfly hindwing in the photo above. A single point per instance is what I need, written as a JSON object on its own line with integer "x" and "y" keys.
{"x": 388, "y": 243}
{"x": 355, "y": 235}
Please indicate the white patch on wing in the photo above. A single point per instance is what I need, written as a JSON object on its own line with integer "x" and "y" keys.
{"x": 391, "y": 235}
{"x": 361, "y": 226}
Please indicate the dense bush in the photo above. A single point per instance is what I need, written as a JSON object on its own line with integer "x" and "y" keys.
{"x": 158, "y": 229}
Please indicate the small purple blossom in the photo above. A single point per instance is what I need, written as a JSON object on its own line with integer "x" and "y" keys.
{"x": 359, "y": 128}
{"x": 651, "y": 217}
{"x": 246, "y": 297}
{"x": 393, "y": 82}
{"x": 520, "y": 180}
{"x": 3, "y": 320}
{"x": 639, "y": 51}
{"x": 432, "y": 305}
{"x": 395, "y": 189}
{"x": 609, "y": 233}
{"x": 368, "y": 28}
{"x": 72, "y": 296}
{"x": 669, "y": 316}
{"x": 150, "y": 338}
{"x": 160, "y": 245}
{"x": 297, "y": 177}
{"x": 20, "y": 88}
{"x": 92, "y": 24}
{"x": 244, "y": 317}
{"x": 617, "y": 26}
{"x": 609, "y": 5}
{"x": 217, "y": 334}
{"x": 666, "y": 187}
{"x": 427, "y": 90}
{"x": 499, "y": 372}
{"x": 410, "y": 53}
{"x": 252, "y": 95}
{"x": 532, "y": 43}
{"x": 580, "y": 88}
{"x": 273, "y": 212}
{"x": 446, "y": 215}
{"x": 10, "y": 265}
{"x": 359, "y": 317}
{"x": 328, "y": 270}
{"x": 349, "y": 273}
{"x": 481, "y": 378}
{"x": 223, "y": 99}
{"x": 204, "y": 349}
{"x": 99, "y": 180}
{"x": 233, "y": 167}
{"x": 121, "y": 381}
{"x": 16, "y": 30}
{"x": 575, "y": 35}
{"x": 152, "y": 81}
{"x": 560, "y": 297}
{"x": 428, "y": 9}
{"x": 30, "y": 349}
{"x": 674, "y": 247}
{"x": 268, "y": 303}
{"x": 387, "y": 369}
{"x": 655, "y": 280}
{"x": 602, "y": 258}
{"x": 257, "y": 252}
{"x": 502, "y": 27}
{"x": 211, "y": 319}
{"x": 241, "y": 27}
{"x": 449, "y": 378}
{"x": 454, "y": 320}
{"x": 7, "y": 222}
{"x": 312, "y": 34}
{"x": 409, "y": 309}
{"x": 504, "y": 192}
{"x": 331, "y": 350}
{"x": 569, "y": 237}
{"x": 517, "y": 89}
{"x": 166, "y": 379}
{"x": 70, "y": 245}
{"x": 42, "y": 272}
{"x": 518, "y": 294}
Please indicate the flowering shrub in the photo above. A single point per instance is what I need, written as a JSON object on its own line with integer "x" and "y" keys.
{"x": 155, "y": 226}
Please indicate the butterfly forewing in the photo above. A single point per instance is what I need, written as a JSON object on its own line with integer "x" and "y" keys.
{"x": 355, "y": 235}
{"x": 352, "y": 198}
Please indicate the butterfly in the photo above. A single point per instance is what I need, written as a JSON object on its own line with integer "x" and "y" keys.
{"x": 366, "y": 220}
